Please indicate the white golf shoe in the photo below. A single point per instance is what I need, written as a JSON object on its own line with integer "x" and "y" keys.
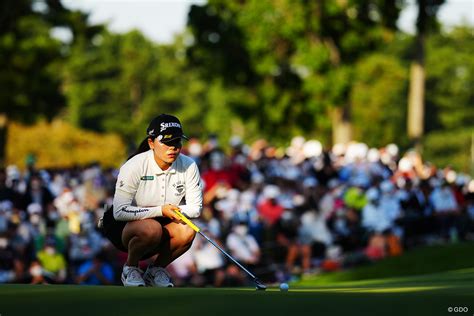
{"x": 157, "y": 277}
{"x": 132, "y": 276}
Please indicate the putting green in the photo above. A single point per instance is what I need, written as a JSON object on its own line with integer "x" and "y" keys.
{"x": 418, "y": 295}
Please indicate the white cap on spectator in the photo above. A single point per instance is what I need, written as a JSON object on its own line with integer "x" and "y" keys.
{"x": 233, "y": 195}
{"x": 34, "y": 208}
{"x": 405, "y": 164}
{"x": 401, "y": 182}
{"x": 312, "y": 148}
{"x": 392, "y": 149}
{"x": 339, "y": 149}
{"x": 451, "y": 176}
{"x": 235, "y": 141}
{"x": 195, "y": 148}
{"x": 271, "y": 191}
{"x": 13, "y": 173}
{"x": 298, "y": 142}
{"x": 298, "y": 200}
{"x": 373, "y": 155}
{"x": 356, "y": 151}
{"x": 470, "y": 187}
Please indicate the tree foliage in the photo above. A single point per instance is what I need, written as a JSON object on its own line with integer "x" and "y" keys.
{"x": 295, "y": 58}
{"x": 450, "y": 78}
{"x": 272, "y": 69}
{"x": 61, "y": 145}
{"x": 29, "y": 59}
{"x": 378, "y": 99}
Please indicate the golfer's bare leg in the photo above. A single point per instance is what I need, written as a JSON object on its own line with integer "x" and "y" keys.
{"x": 180, "y": 239}
{"x": 140, "y": 238}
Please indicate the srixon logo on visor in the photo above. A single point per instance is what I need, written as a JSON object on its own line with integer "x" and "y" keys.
{"x": 164, "y": 126}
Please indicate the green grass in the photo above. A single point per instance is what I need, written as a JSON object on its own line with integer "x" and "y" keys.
{"x": 428, "y": 294}
{"x": 425, "y": 260}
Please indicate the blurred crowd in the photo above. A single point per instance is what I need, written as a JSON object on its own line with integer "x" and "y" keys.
{"x": 282, "y": 212}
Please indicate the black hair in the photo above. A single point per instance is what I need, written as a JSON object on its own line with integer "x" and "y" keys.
{"x": 141, "y": 148}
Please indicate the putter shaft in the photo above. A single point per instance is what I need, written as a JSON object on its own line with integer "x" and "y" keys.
{"x": 228, "y": 256}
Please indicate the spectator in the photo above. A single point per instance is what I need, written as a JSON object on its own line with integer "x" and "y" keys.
{"x": 95, "y": 271}
{"x": 446, "y": 209}
{"x": 390, "y": 206}
{"x": 376, "y": 249}
{"x": 269, "y": 208}
{"x": 9, "y": 261}
{"x": 365, "y": 203}
{"x": 209, "y": 263}
{"x": 243, "y": 246}
{"x": 53, "y": 264}
{"x": 373, "y": 217}
{"x": 219, "y": 172}
{"x": 287, "y": 236}
{"x": 38, "y": 193}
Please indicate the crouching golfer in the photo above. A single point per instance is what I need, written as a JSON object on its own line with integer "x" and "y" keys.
{"x": 156, "y": 181}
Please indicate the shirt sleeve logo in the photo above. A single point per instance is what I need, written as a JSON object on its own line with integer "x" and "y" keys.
{"x": 147, "y": 178}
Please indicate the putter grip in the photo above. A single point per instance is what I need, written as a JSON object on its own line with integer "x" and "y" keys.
{"x": 187, "y": 221}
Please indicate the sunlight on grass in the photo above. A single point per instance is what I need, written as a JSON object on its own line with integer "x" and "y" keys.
{"x": 372, "y": 290}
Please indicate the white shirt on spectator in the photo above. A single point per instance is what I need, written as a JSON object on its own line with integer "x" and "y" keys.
{"x": 244, "y": 248}
{"x": 314, "y": 228}
{"x": 374, "y": 218}
{"x": 207, "y": 257}
{"x": 443, "y": 200}
{"x": 390, "y": 206}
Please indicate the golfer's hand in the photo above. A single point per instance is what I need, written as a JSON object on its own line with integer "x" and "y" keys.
{"x": 169, "y": 211}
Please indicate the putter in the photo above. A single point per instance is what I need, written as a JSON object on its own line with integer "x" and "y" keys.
{"x": 258, "y": 285}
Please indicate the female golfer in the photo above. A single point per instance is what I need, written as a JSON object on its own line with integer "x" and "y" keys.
{"x": 154, "y": 183}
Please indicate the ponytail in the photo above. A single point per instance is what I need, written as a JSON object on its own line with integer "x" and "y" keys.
{"x": 141, "y": 148}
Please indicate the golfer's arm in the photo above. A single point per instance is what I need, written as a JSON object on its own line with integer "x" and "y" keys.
{"x": 125, "y": 190}
{"x": 193, "y": 206}
{"x": 124, "y": 211}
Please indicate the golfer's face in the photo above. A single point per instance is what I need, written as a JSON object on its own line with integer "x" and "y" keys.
{"x": 167, "y": 152}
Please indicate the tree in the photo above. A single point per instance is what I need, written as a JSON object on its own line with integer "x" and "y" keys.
{"x": 31, "y": 60}
{"x": 426, "y": 20}
{"x": 28, "y": 57}
{"x": 449, "y": 78}
{"x": 124, "y": 80}
{"x": 378, "y": 98}
{"x": 296, "y": 59}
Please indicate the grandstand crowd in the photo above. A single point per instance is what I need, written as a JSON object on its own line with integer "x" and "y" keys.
{"x": 281, "y": 212}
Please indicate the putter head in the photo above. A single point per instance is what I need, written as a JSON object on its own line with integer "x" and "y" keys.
{"x": 259, "y": 286}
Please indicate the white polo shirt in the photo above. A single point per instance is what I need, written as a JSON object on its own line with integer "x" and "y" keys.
{"x": 143, "y": 188}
